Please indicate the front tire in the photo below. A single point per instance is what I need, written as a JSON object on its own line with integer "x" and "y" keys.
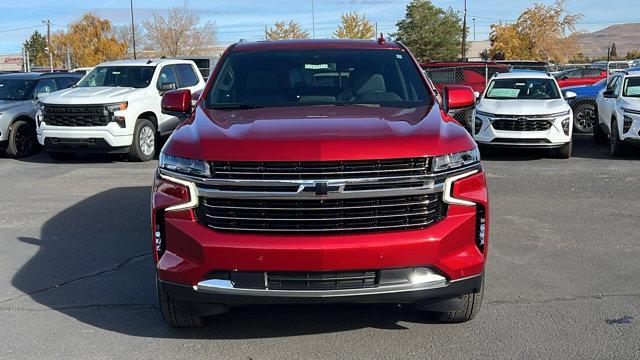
{"x": 565, "y": 151}
{"x": 599, "y": 136}
{"x": 143, "y": 147}
{"x": 172, "y": 313}
{"x": 22, "y": 139}
{"x": 617, "y": 147}
{"x": 585, "y": 117}
{"x": 470, "y": 308}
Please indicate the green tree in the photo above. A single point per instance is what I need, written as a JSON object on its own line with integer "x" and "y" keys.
{"x": 614, "y": 52}
{"x": 431, "y": 33}
{"x": 283, "y": 31}
{"x": 354, "y": 26}
{"x": 35, "y": 45}
{"x": 633, "y": 54}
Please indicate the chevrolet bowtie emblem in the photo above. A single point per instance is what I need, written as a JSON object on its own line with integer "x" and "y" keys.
{"x": 322, "y": 188}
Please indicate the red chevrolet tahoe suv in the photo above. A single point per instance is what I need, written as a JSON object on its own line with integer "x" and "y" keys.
{"x": 318, "y": 171}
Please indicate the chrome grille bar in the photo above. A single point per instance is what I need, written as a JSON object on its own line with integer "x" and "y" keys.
{"x": 322, "y": 219}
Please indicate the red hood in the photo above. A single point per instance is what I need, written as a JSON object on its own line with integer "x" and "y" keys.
{"x": 317, "y": 133}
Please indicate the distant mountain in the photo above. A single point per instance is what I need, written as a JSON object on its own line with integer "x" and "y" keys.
{"x": 626, "y": 37}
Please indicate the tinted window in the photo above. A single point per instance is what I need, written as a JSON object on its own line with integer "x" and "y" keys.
{"x": 45, "y": 86}
{"x": 522, "y": 89}
{"x": 125, "y": 76}
{"x": 15, "y": 89}
{"x": 186, "y": 75}
{"x": 64, "y": 83}
{"x": 319, "y": 77}
{"x": 167, "y": 75}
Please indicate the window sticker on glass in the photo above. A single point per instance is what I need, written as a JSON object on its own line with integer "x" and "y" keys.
{"x": 316, "y": 66}
{"x": 504, "y": 93}
{"x": 633, "y": 91}
{"x": 399, "y": 56}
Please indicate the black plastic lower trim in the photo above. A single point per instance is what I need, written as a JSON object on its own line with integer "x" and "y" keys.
{"x": 82, "y": 144}
{"x": 200, "y": 301}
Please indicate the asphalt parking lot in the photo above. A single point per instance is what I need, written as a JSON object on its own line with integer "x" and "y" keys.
{"x": 77, "y": 281}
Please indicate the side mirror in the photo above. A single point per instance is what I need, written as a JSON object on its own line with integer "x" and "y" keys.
{"x": 167, "y": 86}
{"x": 570, "y": 95}
{"x": 608, "y": 94}
{"x": 457, "y": 97}
{"x": 177, "y": 103}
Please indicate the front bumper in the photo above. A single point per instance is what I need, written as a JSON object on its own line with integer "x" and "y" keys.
{"x": 554, "y": 137}
{"x": 110, "y": 137}
{"x": 410, "y": 294}
{"x": 449, "y": 247}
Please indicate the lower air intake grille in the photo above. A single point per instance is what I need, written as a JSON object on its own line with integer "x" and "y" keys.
{"x": 321, "y": 216}
{"x": 290, "y": 280}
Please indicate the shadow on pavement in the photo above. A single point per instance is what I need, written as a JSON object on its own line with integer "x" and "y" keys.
{"x": 94, "y": 264}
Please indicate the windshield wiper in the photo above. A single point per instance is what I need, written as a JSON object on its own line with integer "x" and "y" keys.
{"x": 348, "y": 103}
{"x": 232, "y": 106}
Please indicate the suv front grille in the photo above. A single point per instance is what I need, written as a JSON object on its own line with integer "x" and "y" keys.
{"x": 318, "y": 170}
{"x": 322, "y": 215}
{"x": 76, "y": 115}
{"x": 521, "y": 125}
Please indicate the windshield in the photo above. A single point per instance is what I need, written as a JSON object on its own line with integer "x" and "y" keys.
{"x": 522, "y": 89}
{"x": 15, "y": 89}
{"x": 632, "y": 87}
{"x": 123, "y": 76}
{"x": 383, "y": 78}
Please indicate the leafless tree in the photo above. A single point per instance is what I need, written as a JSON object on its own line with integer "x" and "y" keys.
{"x": 179, "y": 33}
{"x": 123, "y": 34}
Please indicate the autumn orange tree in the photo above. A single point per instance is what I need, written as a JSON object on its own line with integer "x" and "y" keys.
{"x": 354, "y": 26}
{"x": 90, "y": 41}
{"x": 282, "y": 31}
{"x": 542, "y": 32}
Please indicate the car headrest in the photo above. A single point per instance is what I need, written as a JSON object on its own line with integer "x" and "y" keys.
{"x": 363, "y": 82}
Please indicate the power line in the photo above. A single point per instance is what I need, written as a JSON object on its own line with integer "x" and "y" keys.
{"x": 23, "y": 28}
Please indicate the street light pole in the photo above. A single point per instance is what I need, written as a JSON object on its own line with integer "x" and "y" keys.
{"x": 133, "y": 32}
{"x": 313, "y": 21}
{"x": 464, "y": 32}
{"x": 474, "y": 29}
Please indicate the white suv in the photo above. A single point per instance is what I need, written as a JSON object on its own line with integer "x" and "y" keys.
{"x": 524, "y": 109}
{"x": 115, "y": 108}
{"x": 619, "y": 112}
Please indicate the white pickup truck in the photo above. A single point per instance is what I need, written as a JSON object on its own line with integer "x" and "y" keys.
{"x": 115, "y": 108}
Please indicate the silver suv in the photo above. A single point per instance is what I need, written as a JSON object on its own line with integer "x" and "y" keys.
{"x": 19, "y": 94}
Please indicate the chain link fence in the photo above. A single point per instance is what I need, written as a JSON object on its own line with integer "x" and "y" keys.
{"x": 585, "y": 80}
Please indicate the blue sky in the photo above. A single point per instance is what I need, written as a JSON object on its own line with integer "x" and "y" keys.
{"x": 238, "y": 19}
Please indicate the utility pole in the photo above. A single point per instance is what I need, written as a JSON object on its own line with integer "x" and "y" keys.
{"x": 375, "y": 33}
{"x": 474, "y": 29}
{"x": 464, "y": 32}
{"x": 68, "y": 59}
{"x": 313, "y": 21}
{"x": 133, "y": 32}
{"x": 27, "y": 65}
{"x": 48, "y": 23}
{"x": 265, "y": 33}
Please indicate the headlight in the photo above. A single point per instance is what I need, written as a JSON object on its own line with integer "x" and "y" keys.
{"x": 39, "y": 115}
{"x": 631, "y": 111}
{"x": 564, "y": 113}
{"x": 118, "y": 106}
{"x": 456, "y": 160}
{"x": 184, "y": 165}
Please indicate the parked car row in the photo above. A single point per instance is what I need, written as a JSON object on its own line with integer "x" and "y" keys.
{"x": 114, "y": 108}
